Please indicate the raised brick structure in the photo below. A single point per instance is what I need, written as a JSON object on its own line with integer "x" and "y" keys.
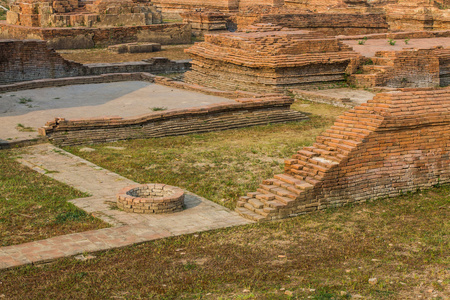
{"x": 244, "y": 112}
{"x": 339, "y": 23}
{"x": 395, "y": 143}
{"x": 62, "y": 13}
{"x": 268, "y": 61}
{"x": 407, "y": 68}
{"x": 83, "y": 37}
{"x": 32, "y": 59}
{"x": 29, "y": 60}
{"x": 153, "y": 198}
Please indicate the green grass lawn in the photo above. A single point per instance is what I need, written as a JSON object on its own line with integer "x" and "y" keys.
{"x": 384, "y": 249}
{"x": 402, "y": 242}
{"x": 34, "y": 207}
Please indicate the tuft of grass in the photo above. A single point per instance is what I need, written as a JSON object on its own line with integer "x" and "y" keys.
{"x": 158, "y": 108}
{"x": 392, "y": 42}
{"x": 34, "y": 207}
{"x": 24, "y": 100}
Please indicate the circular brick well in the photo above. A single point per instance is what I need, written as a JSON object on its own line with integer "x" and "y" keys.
{"x": 153, "y": 198}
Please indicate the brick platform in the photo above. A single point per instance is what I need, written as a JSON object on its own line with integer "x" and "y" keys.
{"x": 395, "y": 143}
{"x": 268, "y": 60}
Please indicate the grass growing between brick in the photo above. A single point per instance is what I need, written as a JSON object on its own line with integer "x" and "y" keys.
{"x": 402, "y": 242}
{"x": 92, "y": 56}
{"x": 34, "y": 207}
{"x": 220, "y": 166}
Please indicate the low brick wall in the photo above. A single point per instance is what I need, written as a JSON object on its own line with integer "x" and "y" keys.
{"x": 84, "y": 37}
{"x": 395, "y": 143}
{"x": 33, "y": 60}
{"x": 242, "y": 113}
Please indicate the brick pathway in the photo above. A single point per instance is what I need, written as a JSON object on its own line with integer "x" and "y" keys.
{"x": 128, "y": 228}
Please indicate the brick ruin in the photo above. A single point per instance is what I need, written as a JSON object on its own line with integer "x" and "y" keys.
{"x": 32, "y": 60}
{"x": 268, "y": 61}
{"x": 72, "y": 13}
{"x": 407, "y": 68}
{"x": 395, "y": 143}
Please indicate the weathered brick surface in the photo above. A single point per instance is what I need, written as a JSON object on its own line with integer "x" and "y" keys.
{"x": 268, "y": 61}
{"x": 242, "y": 113}
{"x": 153, "y": 198}
{"x": 28, "y": 60}
{"x": 395, "y": 143}
{"x": 32, "y": 59}
{"x": 326, "y": 23}
{"x": 62, "y": 13}
{"x": 81, "y": 38}
{"x": 407, "y": 68}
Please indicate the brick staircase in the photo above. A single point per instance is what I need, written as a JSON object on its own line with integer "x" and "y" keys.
{"x": 374, "y": 74}
{"x": 306, "y": 172}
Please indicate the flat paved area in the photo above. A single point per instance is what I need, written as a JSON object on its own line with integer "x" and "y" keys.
{"x": 371, "y": 46}
{"x": 33, "y": 108}
{"x": 128, "y": 228}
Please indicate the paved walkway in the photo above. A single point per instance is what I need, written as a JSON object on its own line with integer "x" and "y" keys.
{"x": 128, "y": 228}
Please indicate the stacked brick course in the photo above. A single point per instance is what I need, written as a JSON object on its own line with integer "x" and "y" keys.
{"x": 395, "y": 143}
{"x": 242, "y": 113}
{"x": 32, "y": 60}
{"x": 343, "y": 23}
{"x": 407, "y": 68}
{"x": 268, "y": 61}
{"x": 29, "y": 60}
{"x": 62, "y": 13}
{"x": 151, "y": 198}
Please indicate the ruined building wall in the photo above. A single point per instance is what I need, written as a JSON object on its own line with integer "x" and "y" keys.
{"x": 29, "y": 60}
{"x": 395, "y": 143}
{"x": 270, "y": 61}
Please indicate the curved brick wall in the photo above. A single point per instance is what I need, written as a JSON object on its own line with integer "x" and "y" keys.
{"x": 397, "y": 142}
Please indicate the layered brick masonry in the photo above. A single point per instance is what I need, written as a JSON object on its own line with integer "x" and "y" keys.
{"x": 395, "y": 143}
{"x": 151, "y": 198}
{"x": 135, "y": 48}
{"x": 407, "y": 68}
{"x": 85, "y": 37}
{"x": 62, "y": 13}
{"x": 269, "y": 61}
{"x": 32, "y": 59}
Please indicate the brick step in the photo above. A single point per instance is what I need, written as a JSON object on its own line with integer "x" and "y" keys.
{"x": 252, "y": 215}
{"x": 294, "y": 181}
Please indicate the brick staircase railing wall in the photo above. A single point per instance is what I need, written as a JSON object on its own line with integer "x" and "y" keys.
{"x": 395, "y": 143}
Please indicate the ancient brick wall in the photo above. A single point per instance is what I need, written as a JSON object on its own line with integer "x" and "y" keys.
{"x": 82, "y": 38}
{"x": 407, "y": 68}
{"x": 330, "y": 24}
{"x": 242, "y": 113}
{"x": 32, "y": 59}
{"x": 268, "y": 61}
{"x": 395, "y": 143}
{"x": 29, "y": 60}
